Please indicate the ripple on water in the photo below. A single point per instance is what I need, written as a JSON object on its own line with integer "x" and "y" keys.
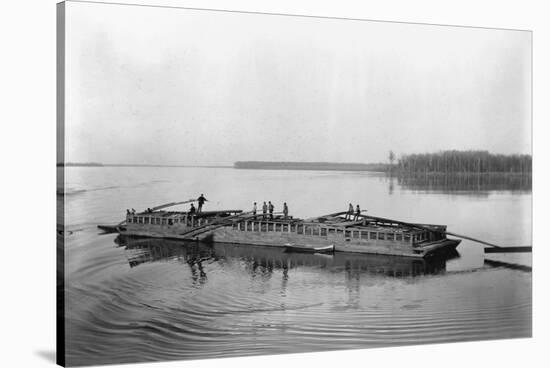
{"x": 239, "y": 308}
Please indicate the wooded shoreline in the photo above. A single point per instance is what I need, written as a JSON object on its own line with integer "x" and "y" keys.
{"x": 473, "y": 162}
{"x": 440, "y": 163}
{"x": 445, "y": 162}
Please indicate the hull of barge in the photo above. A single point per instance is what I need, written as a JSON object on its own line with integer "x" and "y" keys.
{"x": 349, "y": 245}
{"x": 281, "y": 239}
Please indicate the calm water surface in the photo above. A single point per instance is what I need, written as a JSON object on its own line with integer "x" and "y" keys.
{"x": 144, "y": 300}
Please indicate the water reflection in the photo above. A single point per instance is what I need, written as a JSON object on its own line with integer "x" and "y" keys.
{"x": 391, "y": 184}
{"x": 260, "y": 262}
{"x": 478, "y": 184}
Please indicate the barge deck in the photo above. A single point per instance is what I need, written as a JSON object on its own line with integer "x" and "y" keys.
{"x": 365, "y": 234}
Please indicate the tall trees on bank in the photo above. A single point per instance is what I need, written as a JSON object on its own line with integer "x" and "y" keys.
{"x": 391, "y": 157}
{"x": 464, "y": 162}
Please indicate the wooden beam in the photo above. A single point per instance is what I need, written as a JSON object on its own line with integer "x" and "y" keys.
{"x": 473, "y": 239}
{"x": 215, "y": 224}
{"x": 509, "y": 250}
{"x": 172, "y": 204}
{"x": 329, "y": 215}
{"x": 209, "y": 213}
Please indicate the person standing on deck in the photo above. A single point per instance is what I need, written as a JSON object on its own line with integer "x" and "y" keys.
{"x": 285, "y": 210}
{"x": 271, "y": 208}
{"x": 357, "y": 213}
{"x": 192, "y": 209}
{"x": 254, "y": 209}
{"x": 350, "y": 212}
{"x": 201, "y": 201}
{"x": 264, "y": 210}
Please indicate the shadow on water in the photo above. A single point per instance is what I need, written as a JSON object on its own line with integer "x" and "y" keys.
{"x": 47, "y": 355}
{"x": 472, "y": 184}
{"x": 511, "y": 266}
{"x": 262, "y": 261}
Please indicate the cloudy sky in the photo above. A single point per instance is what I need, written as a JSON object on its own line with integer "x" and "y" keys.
{"x": 175, "y": 86}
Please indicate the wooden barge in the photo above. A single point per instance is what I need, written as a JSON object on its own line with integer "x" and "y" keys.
{"x": 367, "y": 234}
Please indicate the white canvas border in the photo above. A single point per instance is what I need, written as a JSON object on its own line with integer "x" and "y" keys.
{"x": 28, "y": 149}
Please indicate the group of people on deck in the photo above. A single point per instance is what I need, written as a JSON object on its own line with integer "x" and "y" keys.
{"x": 200, "y": 200}
{"x": 268, "y": 207}
{"x": 351, "y": 213}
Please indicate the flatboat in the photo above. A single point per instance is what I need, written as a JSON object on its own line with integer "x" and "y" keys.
{"x": 332, "y": 232}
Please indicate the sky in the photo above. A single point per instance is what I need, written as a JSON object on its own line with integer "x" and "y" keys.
{"x": 149, "y": 85}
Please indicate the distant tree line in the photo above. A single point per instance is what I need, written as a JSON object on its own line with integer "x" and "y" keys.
{"x": 464, "y": 162}
{"x": 285, "y": 165}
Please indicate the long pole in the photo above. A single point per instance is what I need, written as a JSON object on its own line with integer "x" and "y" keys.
{"x": 436, "y": 231}
{"x": 172, "y": 204}
{"x": 473, "y": 239}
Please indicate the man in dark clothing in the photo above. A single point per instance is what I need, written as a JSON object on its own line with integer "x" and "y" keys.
{"x": 271, "y": 208}
{"x": 285, "y": 210}
{"x": 192, "y": 209}
{"x": 357, "y": 213}
{"x": 201, "y": 201}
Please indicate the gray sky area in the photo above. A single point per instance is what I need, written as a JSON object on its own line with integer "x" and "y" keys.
{"x": 173, "y": 86}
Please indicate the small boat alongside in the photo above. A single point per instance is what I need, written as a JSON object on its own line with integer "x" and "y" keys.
{"x": 110, "y": 228}
{"x": 290, "y": 248}
{"x": 334, "y": 232}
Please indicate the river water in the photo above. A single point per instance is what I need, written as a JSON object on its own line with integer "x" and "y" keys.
{"x": 131, "y": 300}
